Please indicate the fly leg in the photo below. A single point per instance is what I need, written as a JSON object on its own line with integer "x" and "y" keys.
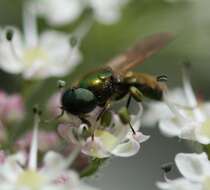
{"x": 136, "y": 93}
{"x": 124, "y": 113}
{"x": 105, "y": 108}
{"x": 128, "y": 101}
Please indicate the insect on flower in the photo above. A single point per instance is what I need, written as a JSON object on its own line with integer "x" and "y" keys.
{"x": 114, "y": 81}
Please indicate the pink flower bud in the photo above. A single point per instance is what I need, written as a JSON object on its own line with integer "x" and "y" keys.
{"x": 14, "y": 109}
{"x": 11, "y": 108}
{"x": 2, "y": 156}
{"x": 46, "y": 140}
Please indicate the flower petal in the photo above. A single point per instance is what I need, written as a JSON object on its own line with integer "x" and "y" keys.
{"x": 179, "y": 184}
{"x": 205, "y": 108}
{"x": 95, "y": 148}
{"x": 9, "y": 52}
{"x": 140, "y": 137}
{"x": 51, "y": 10}
{"x": 53, "y": 57}
{"x": 193, "y": 166}
{"x": 202, "y": 132}
{"x": 66, "y": 132}
{"x": 170, "y": 127}
{"x": 108, "y": 140}
{"x": 53, "y": 163}
{"x": 126, "y": 149}
{"x": 11, "y": 167}
{"x": 108, "y": 11}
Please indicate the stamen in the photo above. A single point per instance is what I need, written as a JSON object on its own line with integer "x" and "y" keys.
{"x": 79, "y": 34}
{"x": 73, "y": 41}
{"x": 9, "y": 34}
{"x": 83, "y": 29}
{"x": 173, "y": 108}
{"x": 32, "y": 165}
{"x": 190, "y": 94}
{"x": 83, "y": 128}
{"x": 72, "y": 157}
{"x": 188, "y": 87}
{"x": 167, "y": 167}
{"x": 131, "y": 127}
{"x": 30, "y": 25}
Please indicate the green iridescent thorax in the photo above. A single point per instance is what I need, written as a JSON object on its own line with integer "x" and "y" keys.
{"x": 101, "y": 83}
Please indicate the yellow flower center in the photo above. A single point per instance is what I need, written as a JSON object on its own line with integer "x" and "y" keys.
{"x": 206, "y": 184}
{"x": 108, "y": 140}
{"x": 33, "y": 54}
{"x": 205, "y": 129}
{"x": 30, "y": 179}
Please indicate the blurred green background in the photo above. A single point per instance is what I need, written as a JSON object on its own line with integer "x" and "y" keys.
{"x": 189, "y": 21}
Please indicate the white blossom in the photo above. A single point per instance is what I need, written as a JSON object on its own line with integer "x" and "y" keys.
{"x": 107, "y": 12}
{"x": 158, "y": 110}
{"x": 34, "y": 55}
{"x": 117, "y": 139}
{"x": 50, "y": 55}
{"x": 190, "y": 120}
{"x": 18, "y": 172}
{"x": 195, "y": 169}
{"x": 58, "y": 12}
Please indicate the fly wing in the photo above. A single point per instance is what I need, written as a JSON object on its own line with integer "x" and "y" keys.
{"x": 141, "y": 51}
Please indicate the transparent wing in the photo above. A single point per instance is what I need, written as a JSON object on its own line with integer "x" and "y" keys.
{"x": 141, "y": 51}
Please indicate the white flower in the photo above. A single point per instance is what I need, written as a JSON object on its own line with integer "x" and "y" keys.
{"x": 58, "y": 12}
{"x": 190, "y": 120}
{"x": 108, "y": 11}
{"x": 157, "y": 110}
{"x": 36, "y": 56}
{"x": 116, "y": 139}
{"x": 54, "y": 174}
{"x": 50, "y": 54}
{"x": 195, "y": 169}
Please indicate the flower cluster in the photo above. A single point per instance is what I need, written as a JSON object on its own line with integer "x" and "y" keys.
{"x": 195, "y": 169}
{"x": 115, "y": 139}
{"x": 190, "y": 121}
{"x": 185, "y": 116}
{"x": 106, "y": 12}
{"x": 72, "y": 145}
{"x": 21, "y": 171}
{"x": 181, "y": 114}
{"x": 36, "y": 56}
